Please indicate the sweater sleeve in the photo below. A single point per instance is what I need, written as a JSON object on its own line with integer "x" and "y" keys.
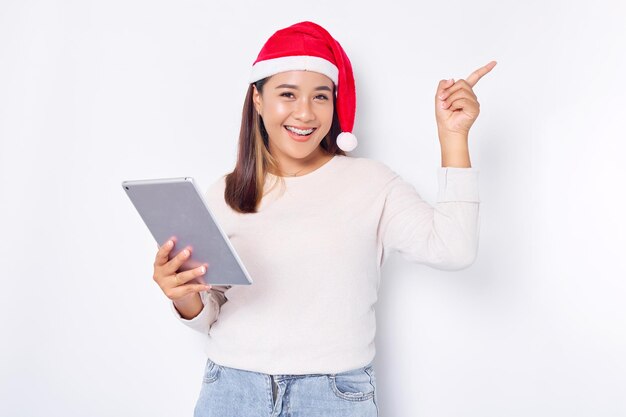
{"x": 444, "y": 236}
{"x": 212, "y": 301}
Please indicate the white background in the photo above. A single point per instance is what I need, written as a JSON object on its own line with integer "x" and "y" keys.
{"x": 96, "y": 92}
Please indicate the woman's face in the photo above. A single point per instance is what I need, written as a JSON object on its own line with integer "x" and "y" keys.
{"x": 299, "y": 99}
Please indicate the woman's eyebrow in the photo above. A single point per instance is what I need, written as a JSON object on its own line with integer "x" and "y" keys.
{"x": 295, "y": 87}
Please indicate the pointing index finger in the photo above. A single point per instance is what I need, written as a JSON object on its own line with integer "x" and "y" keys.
{"x": 479, "y": 73}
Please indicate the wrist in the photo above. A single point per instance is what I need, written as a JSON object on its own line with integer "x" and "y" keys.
{"x": 189, "y": 306}
{"x": 452, "y": 138}
{"x": 455, "y": 156}
{"x": 187, "y": 300}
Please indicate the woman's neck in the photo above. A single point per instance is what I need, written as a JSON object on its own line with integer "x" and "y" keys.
{"x": 297, "y": 170}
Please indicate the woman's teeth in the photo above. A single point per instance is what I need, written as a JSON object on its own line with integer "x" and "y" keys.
{"x": 300, "y": 132}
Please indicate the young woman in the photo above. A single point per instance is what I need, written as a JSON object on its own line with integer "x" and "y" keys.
{"x": 300, "y": 340}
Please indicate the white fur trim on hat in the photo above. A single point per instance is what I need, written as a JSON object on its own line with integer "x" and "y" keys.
{"x": 273, "y": 66}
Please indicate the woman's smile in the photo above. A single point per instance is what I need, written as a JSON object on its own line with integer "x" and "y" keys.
{"x": 295, "y": 133}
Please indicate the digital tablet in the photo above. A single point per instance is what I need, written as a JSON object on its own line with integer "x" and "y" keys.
{"x": 174, "y": 207}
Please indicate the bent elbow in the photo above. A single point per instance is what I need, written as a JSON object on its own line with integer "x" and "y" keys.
{"x": 465, "y": 262}
{"x": 458, "y": 262}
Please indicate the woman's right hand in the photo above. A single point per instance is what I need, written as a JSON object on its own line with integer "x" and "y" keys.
{"x": 177, "y": 286}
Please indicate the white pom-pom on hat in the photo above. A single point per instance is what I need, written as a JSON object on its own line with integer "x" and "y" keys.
{"x": 346, "y": 141}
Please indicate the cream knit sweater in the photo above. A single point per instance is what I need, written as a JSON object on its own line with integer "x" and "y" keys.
{"x": 314, "y": 251}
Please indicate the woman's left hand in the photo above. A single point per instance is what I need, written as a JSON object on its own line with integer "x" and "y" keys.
{"x": 456, "y": 106}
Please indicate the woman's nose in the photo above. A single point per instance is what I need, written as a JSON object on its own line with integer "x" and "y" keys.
{"x": 304, "y": 111}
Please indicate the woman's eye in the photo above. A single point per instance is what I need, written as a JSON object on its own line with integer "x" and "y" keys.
{"x": 287, "y": 94}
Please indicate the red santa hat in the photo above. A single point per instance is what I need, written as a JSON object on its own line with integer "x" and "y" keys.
{"x": 308, "y": 46}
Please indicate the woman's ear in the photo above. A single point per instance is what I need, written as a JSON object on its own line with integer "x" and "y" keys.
{"x": 256, "y": 99}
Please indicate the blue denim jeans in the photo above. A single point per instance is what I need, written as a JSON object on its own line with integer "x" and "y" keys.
{"x": 231, "y": 392}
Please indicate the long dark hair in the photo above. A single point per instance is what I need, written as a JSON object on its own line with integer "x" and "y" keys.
{"x": 245, "y": 185}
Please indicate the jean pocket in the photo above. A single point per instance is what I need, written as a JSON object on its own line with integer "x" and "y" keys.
{"x": 353, "y": 385}
{"x": 211, "y": 371}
